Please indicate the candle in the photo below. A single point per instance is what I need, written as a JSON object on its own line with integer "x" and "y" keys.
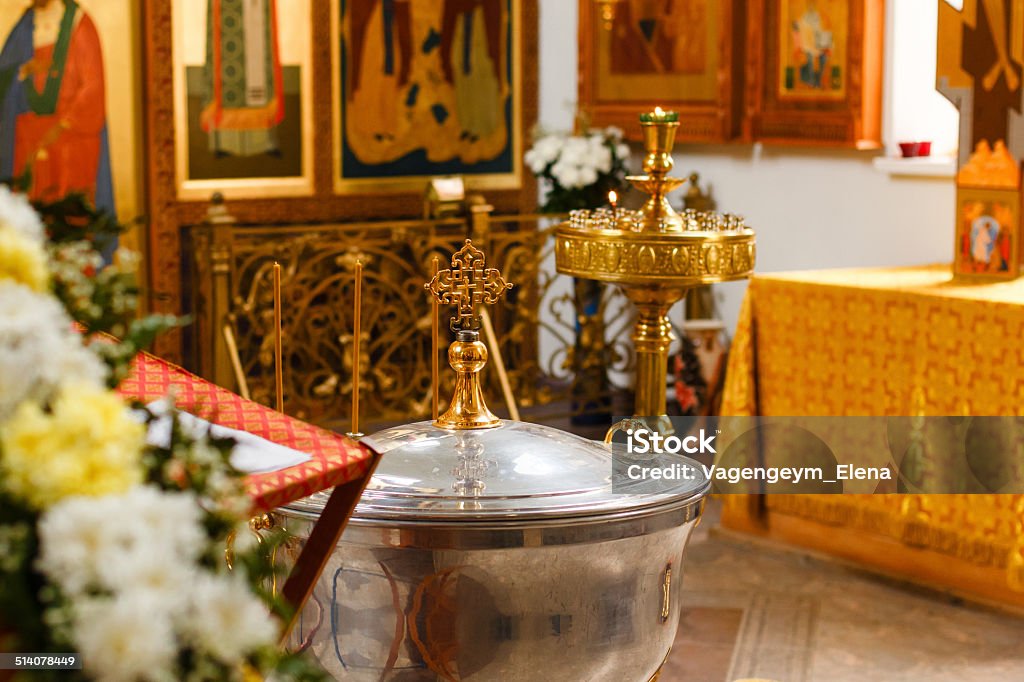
{"x": 659, "y": 115}
{"x": 613, "y": 199}
{"x": 357, "y": 330}
{"x": 278, "y": 354}
{"x": 435, "y": 326}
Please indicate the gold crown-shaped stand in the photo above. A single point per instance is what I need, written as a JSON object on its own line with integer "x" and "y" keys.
{"x": 655, "y": 256}
{"x": 466, "y": 285}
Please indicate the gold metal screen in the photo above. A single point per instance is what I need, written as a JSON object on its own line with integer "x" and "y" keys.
{"x": 536, "y": 324}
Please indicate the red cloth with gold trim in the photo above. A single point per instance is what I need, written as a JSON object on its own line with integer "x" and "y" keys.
{"x": 336, "y": 459}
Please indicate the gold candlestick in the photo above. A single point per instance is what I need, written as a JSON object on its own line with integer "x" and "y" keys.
{"x": 659, "y": 130}
{"x": 655, "y": 258}
{"x": 278, "y": 344}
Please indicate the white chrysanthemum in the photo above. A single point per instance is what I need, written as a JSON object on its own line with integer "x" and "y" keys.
{"x": 614, "y": 133}
{"x": 38, "y": 348}
{"x": 544, "y": 152}
{"x": 575, "y": 151}
{"x": 226, "y": 619}
{"x": 156, "y": 571}
{"x": 125, "y": 639}
{"x": 172, "y": 519}
{"x": 582, "y": 161}
{"x": 17, "y": 212}
{"x": 566, "y": 174}
{"x": 588, "y": 176}
{"x": 118, "y": 542}
{"x": 599, "y": 155}
{"x": 535, "y": 162}
{"x": 622, "y": 151}
{"x": 74, "y": 540}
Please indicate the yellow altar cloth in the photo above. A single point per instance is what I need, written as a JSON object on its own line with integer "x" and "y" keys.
{"x": 886, "y": 342}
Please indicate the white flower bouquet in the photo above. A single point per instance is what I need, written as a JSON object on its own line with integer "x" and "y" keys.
{"x": 110, "y": 547}
{"x": 579, "y": 171}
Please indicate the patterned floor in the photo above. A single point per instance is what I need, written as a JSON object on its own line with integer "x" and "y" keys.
{"x": 753, "y": 612}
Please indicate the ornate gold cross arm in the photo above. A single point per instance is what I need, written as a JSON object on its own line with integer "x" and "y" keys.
{"x": 466, "y": 285}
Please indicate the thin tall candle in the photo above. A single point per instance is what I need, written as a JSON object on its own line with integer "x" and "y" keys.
{"x": 356, "y": 339}
{"x": 278, "y": 352}
{"x": 435, "y": 330}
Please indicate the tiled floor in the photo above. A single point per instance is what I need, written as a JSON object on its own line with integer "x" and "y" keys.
{"x": 753, "y": 612}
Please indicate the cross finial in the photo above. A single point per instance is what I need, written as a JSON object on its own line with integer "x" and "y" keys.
{"x": 467, "y": 284}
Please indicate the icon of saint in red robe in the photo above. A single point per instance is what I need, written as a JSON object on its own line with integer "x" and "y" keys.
{"x": 53, "y": 105}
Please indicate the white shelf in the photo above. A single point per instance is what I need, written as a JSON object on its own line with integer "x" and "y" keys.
{"x": 926, "y": 167}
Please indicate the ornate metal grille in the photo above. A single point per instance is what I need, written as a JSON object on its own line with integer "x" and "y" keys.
{"x": 536, "y": 324}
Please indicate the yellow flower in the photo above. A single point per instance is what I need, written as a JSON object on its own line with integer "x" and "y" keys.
{"x": 89, "y": 445}
{"x": 22, "y": 260}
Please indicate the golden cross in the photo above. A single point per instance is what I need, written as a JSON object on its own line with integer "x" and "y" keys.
{"x": 467, "y": 284}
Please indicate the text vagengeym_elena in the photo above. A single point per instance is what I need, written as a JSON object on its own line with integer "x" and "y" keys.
{"x": 713, "y": 472}
{"x": 642, "y": 442}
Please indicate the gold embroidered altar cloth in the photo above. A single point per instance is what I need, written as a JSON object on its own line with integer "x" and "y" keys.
{"x": 886, "y": 342}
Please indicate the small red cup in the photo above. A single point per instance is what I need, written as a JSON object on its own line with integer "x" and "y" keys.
{"x": 910, "y": 149}
{"x": 924, "y": 148}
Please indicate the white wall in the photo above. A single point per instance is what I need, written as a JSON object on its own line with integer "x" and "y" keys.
{"x": 916, "y": 110}
{"x": 811, "y": 209}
